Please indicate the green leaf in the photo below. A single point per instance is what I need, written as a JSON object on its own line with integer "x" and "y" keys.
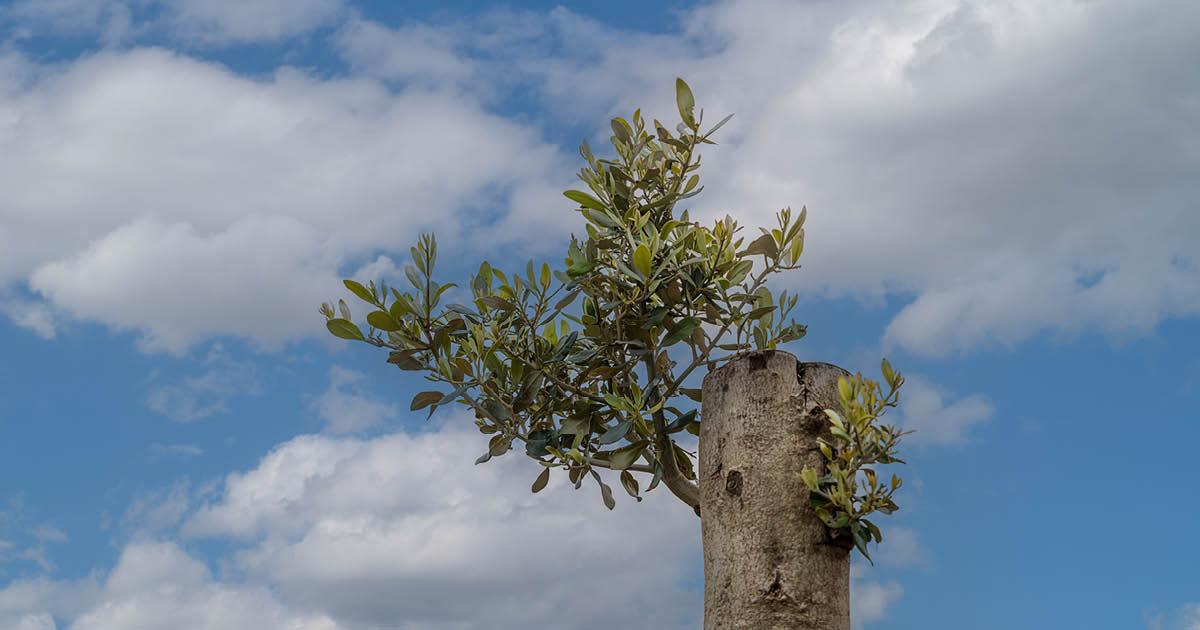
{"x": 344, "y": 328}
{"x": 621, "y": 130}
{"x": 694, "y": 394}
{"x": 642, "y": 259}
{"x": 861, "y": 543}
{"x": 656, "y": 316}
{"x": 576, "y": 425}
{"x": 658, "y": 473}
{"x": 684, "y": 461}
{"x": 835, "y": 418}
{"x": 437, "y": 294}
{"x": 497, "y": 411}
{"x": 617, "y": 402}
{"x": 718, "y": 125}
{"x": 414, "y": 277}
{"x": 630, "y": 484}
{"x": 888, "y": 374}
{"x": 758, "y": 312}
{"x": 844, "y": 389}
{"x": 875, "y": 533}
{"x": 400, "y": 307}
{"x": 578, "y": 269}
{"x": 680, "y": 331}
{"x": 535, "y": 444}
{"x": 566, "y": 301}
{"x": 625, "y": 456}
{"x": 383, "y": 321}
{"x": 809, "y": 475}
{"x": 463, "y": 309}
{"x": 615, "y": 433}
{"x": 682, "y": 421}
{"x": 764, "y": 244}
{"x": 601, "y": 218}
{"x": 583, "y": 356}
{"x": 499, "y": 444}
{"x": 584, "y": 199}
{"x": 492, "y": 301}
{"x": 564, "y": 346}
{"x": 605, "y": 492}
{"x": 424, "y": 399}
{"x": 405, "y": 359}
{"x": 685, "y": 100}
{"x": 541, "y": 480}
{"x": 362, "y": 292}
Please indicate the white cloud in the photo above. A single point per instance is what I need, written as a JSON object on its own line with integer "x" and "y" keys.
{"x": 413, "y": 52}
{"x": 1187, "y": 617}
{"x": 206, "y": 204}
{"x": 32, "y": 600}
{"x": 869, "y": 600}
{"x": 187, "y": 450}
{"x": 192, "y": 22}
{"x": 48, "y": 532}
{"x": 927, "y": 408}
{"x": 1014, "y": 168}
{"x": 110, "y": 20}
{"x": 234, "y": 21}
{"x": 346, "y": 407}
{"x": 30, "y": 315}
{"x": 372, "y": 532}
{"x": 360, "y": 534}
{"x": 194, "y": 398}
{"x": 154, "y": 512}
{"x": 154, "y": 585}
{"x": 900, "y": 548}
{"x": 34, "y": 622}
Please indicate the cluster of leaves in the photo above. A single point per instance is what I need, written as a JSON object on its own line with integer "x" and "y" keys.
{"x": 851, "y": 490}
{"x": 586, "y": 365}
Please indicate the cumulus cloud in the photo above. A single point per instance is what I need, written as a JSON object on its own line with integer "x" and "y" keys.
{"x": 154, "y": 585}
{"x": 869, "y": 600}
{"x": 373, "y": 530}
{"x": 1187, "y": 617}
{"x": 936, "y": 418}
{"x": 1009, "y": 168}
{"x": 110, "y": 20}
{"x": 31, "y": 315}
{"x": 235, "y": 21}
{"x": 901, "y": 547}
{"x": 346, "y": 407}
{"x": 201, "y": 203}
{"x": 357, "y": 534}
{"x": 191, "y": 22}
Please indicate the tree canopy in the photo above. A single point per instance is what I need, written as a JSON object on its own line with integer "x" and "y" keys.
{"x": 587, "y": 367}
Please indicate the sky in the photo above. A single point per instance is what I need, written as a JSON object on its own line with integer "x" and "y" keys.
{"x": 1002, "y": 200}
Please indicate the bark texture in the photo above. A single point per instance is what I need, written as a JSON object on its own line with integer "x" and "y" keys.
{"x": 768, "y": 561}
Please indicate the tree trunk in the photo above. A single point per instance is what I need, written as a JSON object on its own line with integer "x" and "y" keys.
{"x": 768, "y": 561}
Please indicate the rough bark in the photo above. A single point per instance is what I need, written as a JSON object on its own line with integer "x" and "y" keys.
{"x": 768, "y": 561}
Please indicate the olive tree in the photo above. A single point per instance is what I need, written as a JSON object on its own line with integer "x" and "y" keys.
{"x": 590, "y": 368}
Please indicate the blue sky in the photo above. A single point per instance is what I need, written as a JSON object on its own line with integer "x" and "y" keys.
{"x": 1002, "y": 200}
